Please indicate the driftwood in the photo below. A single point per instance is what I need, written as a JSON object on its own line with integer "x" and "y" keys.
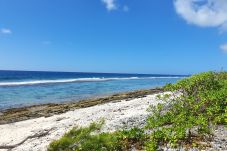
{"x": 29, "y": 137}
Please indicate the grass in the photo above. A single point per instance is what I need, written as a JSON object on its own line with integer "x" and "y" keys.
{"x": 89, "y": 139}
{"x": 198, "y": 103}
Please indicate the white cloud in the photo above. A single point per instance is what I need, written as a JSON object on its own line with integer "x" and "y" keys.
{"x": 110, "y": 4}
{"x": 224, "y": 48}
{"x": 113, "y": 5}
{"x": 5, "y": 31}
{"x": 204, "y": 13}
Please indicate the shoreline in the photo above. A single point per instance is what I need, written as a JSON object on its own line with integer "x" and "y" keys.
{"x": 118, "y": 113}
{"x": 46, "y": 110}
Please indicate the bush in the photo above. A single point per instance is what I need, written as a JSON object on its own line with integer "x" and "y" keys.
{"x": 199, "y": 104}
{"x": 87, "y": 139}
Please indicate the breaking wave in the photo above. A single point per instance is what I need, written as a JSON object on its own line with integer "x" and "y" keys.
{"x": 34, "y": 82}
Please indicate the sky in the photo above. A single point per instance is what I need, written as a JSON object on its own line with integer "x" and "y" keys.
{"x": 123, "y": 36}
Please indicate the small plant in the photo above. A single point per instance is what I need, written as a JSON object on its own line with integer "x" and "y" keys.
{"x": 133, "y": 137}
{"x": 75, "y": 138}
{"x": 89, "y": 139}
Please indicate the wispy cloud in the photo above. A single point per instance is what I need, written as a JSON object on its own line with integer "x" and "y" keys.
{"x": 5, "y": 31}
{"x": 204, "y": 13}
{"x": 110, "y": 4}
{"x": 224, "y": 48}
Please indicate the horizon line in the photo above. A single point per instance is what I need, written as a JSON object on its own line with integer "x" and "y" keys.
{"x": 94, "y": 72}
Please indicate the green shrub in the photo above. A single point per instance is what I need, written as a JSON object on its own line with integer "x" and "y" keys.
{"x": 74, "y": 138}
{"x": 86, "y": 139}
{"x": 200, "y": 103}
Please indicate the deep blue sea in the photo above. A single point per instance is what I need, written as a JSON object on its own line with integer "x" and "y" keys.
{"x": 23, "y": 88}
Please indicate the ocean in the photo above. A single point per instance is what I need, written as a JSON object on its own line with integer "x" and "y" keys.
{"x": 25, "y": 88}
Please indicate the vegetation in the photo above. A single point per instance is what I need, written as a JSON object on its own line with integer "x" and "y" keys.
{"x": 195, "y": 106}
{"x": 88, "y": 139}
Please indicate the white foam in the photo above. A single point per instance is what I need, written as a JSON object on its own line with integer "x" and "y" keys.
{"x": 61, "y": 81}
{"x": 176, "y": 77}
{"x": 19, "y": 83}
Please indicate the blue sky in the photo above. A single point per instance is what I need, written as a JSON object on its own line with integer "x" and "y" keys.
{"x": 134, "y": 36}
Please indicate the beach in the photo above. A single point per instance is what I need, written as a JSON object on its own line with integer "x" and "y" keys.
{"x": 36, "y": 133}
{"x": 34, "y": 128}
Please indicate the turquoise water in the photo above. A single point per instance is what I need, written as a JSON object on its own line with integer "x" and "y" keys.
{"x": 22, "y": 88}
